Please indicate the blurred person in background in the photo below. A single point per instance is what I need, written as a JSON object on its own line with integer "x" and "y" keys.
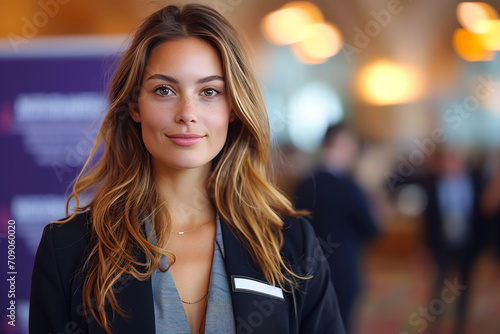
{"x": 454, "y": 225}
{"x": 340, "y": 213}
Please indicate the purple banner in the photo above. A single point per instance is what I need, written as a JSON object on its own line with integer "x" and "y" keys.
{"x": 50, "y": 110}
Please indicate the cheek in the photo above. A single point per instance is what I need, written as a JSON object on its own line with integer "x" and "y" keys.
{"x": 153, "y": 121}
{"x": 220, "y": 125}
{"x": 151, "y": 118}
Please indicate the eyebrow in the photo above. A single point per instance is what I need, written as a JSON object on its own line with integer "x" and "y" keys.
{"x": 173, "y": 80}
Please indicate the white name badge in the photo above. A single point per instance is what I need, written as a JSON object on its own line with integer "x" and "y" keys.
{"x": 246, "y": 284}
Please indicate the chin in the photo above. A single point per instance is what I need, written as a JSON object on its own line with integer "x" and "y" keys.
{"x": 185, "y": 160}
{"x": 189, "y": 164}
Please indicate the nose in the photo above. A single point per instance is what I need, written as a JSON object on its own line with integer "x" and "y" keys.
{"x": 186, "y": 111}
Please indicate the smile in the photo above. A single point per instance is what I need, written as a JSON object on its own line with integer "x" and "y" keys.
{"x": 185, "y": 139}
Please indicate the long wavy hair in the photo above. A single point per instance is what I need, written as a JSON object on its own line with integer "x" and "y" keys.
{"x": 122, "y": 186}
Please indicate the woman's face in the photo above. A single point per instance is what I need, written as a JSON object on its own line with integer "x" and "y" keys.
{"x": 183, "y": 107}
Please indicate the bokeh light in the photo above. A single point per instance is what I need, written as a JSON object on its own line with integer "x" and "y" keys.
{"x": 307, "y": 7}
{"x": 386, "y": 83}
{"x": 470, "y": 14}
{"x": 490, "y": 39}
{"x": 311, "y": 110}
{"x": 468, "y": 46}
{"x": 319, "y": 42}
{"x": 301, "y": 24}
{"x": 285, "y": 25}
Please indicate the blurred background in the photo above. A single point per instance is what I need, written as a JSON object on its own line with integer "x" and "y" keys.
{"x": 415, "y": 84}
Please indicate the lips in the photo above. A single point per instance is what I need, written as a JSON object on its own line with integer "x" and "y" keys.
{"x": 185, "y": 139}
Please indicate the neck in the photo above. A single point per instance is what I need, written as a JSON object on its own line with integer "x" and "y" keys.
{"x": 185, "y": 195}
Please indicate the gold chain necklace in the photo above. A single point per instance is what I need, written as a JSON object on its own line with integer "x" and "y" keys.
{"x": 196, "y": 302}
{"x": 194, "y": 229}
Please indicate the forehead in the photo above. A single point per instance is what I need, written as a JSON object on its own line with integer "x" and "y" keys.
{"x": 186, "y": 57}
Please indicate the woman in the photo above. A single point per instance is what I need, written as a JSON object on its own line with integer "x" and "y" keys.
{"x": 184, "y": 233}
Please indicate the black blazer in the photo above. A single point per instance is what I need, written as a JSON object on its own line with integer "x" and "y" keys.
{"x": 56, "y": 291}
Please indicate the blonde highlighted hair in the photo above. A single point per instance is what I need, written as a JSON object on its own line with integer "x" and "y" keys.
{"x": 122, "y": 183}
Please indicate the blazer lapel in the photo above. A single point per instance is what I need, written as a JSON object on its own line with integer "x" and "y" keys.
{"x": 255, "y": 311}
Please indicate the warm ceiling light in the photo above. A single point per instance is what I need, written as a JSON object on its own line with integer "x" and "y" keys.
{"x": 318, "y": 41}
{"x": 305, "y": 58}
{"x": 468, "y": 46}
{"x": 387, "y": 83}
{"x": 490, "y": 39}
{"x": 469, "y": 15}
{"x": 283, "y": 26}
{"x": 308, "y": 7}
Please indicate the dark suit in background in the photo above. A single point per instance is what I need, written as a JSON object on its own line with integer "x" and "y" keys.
{"x": 455, "y": 228}
{"x": 340, "y": 215}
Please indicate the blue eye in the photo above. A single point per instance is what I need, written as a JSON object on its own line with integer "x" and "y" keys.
{"x": 163, "y": 91}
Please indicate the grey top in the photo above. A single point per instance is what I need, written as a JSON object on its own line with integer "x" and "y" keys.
{"x": 170, "y": 316}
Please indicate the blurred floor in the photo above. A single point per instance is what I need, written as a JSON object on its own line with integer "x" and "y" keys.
{"x": 397, "y": 286}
